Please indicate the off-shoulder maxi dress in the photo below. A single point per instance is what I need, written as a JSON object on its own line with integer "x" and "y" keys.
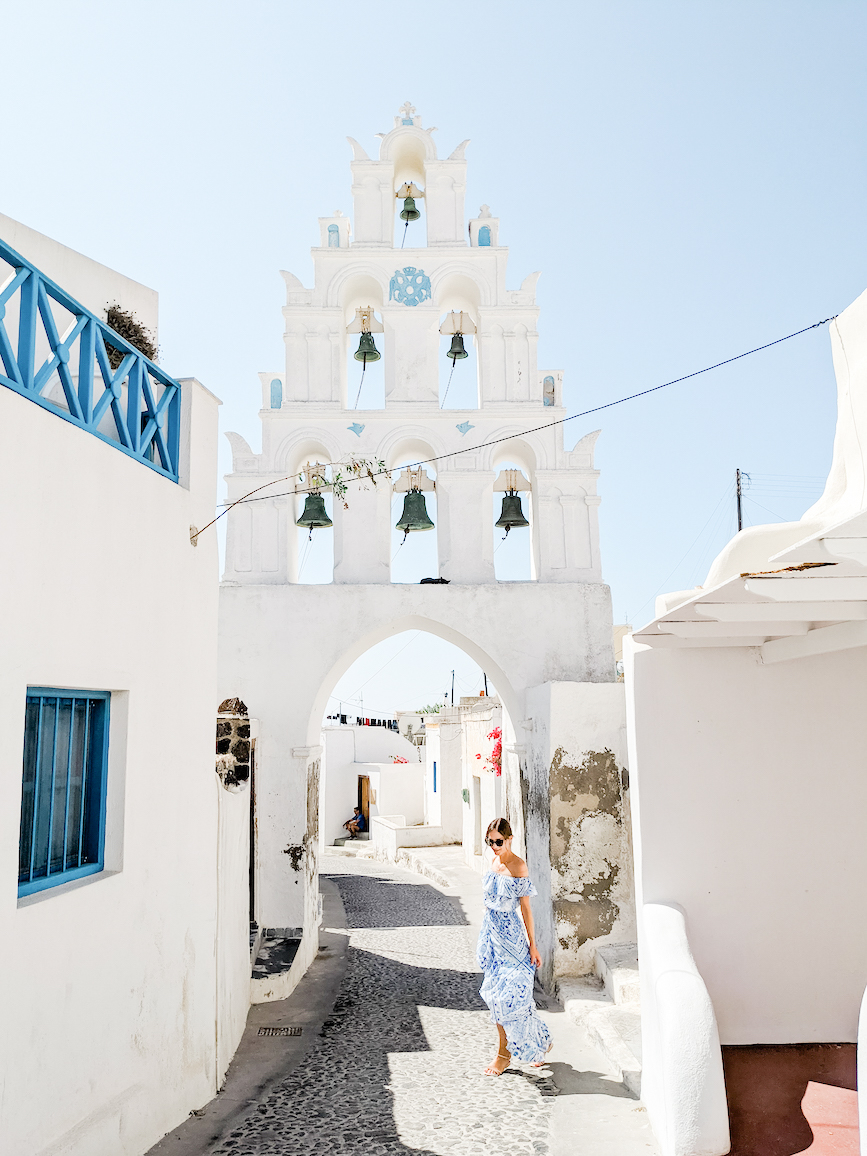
{"x": 504, "y": 956}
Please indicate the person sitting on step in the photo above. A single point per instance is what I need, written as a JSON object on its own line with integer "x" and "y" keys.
{"x": 356, "y": 824}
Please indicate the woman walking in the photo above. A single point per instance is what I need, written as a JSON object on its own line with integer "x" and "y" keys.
{"x": 508, "y": 956}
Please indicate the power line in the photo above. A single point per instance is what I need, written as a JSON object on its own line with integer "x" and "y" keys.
{"x": 536, "y": 429}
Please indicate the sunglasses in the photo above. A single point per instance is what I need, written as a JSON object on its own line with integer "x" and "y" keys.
{"x": 495, "y": 842}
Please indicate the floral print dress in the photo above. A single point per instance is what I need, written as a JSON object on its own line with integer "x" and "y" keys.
{"x": 504, "y": 956}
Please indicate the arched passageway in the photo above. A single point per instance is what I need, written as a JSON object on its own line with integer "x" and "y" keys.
{"x": 416, "y": 737}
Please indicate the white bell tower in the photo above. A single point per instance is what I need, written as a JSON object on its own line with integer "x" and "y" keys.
{"x": 408, "y": 293}
{"x": 283, "y": 643}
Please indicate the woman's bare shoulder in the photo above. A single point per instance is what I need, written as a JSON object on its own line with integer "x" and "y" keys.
{"x": 519, "y": 869}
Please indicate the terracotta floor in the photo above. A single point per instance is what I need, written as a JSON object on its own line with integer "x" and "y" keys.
{"x": 788, "y": 1100}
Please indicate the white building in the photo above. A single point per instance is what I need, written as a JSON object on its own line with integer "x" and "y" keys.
{"x": 283, "y": 644}
{"x": 123, "y": 894}
{"x": 747, "y": 753}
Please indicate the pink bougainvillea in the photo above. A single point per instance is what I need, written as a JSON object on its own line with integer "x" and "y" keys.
{"x": 398, "y": 759}
{"x": 495, "y": 762}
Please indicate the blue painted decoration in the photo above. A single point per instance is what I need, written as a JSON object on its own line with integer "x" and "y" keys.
{"x": 548, "y": 391}
{"x": 136, "y": 407}
{"x": 356, "y": 428}
{"x": 409, "y": 286}
{"x": 435, "y": 776}
{"x": 333, "y": 237}
{"x": 464, "y": 427}
{"x": 62, "y": 830}
{"x": 276, "y": 393}
{"x": 484, "y": 236}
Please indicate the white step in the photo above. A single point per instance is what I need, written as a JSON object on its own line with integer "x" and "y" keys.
{"x": 607, "y": 1007}
{"x": 617, "y": 967}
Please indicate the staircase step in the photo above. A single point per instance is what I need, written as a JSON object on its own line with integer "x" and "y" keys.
{"x": 617, "y": 966}
{"x": 614, "y": 1029}
{"x": 364, "y": 837}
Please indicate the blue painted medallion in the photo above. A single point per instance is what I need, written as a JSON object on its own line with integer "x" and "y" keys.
{"x": 356, "y": 428}
{"x": 409, "y": 286}
{"x": 464, "y": 427}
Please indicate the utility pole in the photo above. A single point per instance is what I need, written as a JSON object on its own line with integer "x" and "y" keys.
{"x": 738, "y": 491}
{"x": 453, "y": 688}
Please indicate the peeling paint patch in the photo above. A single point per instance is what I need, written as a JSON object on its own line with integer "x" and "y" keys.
{"x": 590, "y": 867}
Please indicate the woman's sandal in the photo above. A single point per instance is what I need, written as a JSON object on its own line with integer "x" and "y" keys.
{"x": 490, "y": 1070}
{"x": 542, "y": 1063}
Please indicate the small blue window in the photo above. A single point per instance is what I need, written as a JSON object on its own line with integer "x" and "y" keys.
{"x": 548, "y": 397}
{"x": 333, "y": 237}
{"x": 63, "y": 797}
{"x": 435, "y": 777}
{"x": 276, "y": 393}
{"x": 484, "y": 236}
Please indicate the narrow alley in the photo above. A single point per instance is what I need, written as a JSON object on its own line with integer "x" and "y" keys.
{"x": 394, "y": 1038}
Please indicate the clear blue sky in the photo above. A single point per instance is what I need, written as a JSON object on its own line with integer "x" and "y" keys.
{"x": 689, "y": 177}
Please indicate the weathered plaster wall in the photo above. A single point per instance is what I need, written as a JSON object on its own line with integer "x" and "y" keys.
{"x": 126, "y": 1020}
{"x": 578, "y": 810}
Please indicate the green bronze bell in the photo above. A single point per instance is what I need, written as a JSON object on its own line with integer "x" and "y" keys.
{"x": 315, "y": 516}
{"x": 367, "y": 351}
{"x": 457, "y": 350}
{"x": 414, "y": 516}
{"x": 511, "y": 515}
{"x": 409, "y": 212}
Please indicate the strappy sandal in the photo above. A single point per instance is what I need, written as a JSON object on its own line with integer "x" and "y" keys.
{"x": 490, "y": 1070}
{"x": 543, "y": 1062}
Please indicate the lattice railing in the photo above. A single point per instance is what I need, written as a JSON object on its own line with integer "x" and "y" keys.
{"x": 55, "y": 352}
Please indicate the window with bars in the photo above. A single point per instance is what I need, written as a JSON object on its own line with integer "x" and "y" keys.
{"x": 63, "y": 796}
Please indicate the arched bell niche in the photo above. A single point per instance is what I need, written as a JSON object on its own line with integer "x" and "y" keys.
{"x": 514, "y": 552}
{"x": 311, "y": 550}
{"x": 365, "y": 381}
{"x": 408, "y": 154}
{"x": 414, "y": 555}
{"x": 459, "y": 380}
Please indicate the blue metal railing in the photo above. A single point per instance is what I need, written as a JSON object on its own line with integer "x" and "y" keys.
{"x": 135, "y": 407}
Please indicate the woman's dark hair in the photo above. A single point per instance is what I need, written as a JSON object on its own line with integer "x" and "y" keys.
{"x": 501, "y": 826}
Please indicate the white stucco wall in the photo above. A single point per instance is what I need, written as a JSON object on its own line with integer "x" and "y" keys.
{"x": 749, "y": 790}
{"x": 124, "y": 993}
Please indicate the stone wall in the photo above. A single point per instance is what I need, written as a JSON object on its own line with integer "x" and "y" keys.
{"x": 233, "y": 740}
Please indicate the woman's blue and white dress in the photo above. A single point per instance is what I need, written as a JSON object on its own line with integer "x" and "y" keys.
{"x": 504, "y": 957}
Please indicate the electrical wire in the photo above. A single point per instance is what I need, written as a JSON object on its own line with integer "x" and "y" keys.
{"x": 524, "y": 433}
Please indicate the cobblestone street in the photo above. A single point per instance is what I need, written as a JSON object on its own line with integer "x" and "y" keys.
{"x": 397, "y": 1066}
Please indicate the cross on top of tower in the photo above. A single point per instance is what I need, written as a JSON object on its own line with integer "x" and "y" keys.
{"x": 406, "y": 115}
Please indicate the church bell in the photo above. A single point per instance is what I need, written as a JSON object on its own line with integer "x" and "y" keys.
{"x": 367, "y": 351}
{"x": 414, "y": 516}
{"x": 315, "y": 516}
{"x": 409, "y": 212}
{"x": 511, "y": 515}
{"x": 457, "y": 350}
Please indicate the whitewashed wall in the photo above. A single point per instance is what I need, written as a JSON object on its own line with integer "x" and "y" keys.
{"x": 124, "y": 994}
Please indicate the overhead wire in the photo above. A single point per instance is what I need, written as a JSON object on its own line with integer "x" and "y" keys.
{"x": 524, "y": 433}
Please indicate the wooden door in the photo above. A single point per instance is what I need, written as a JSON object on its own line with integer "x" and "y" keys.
{"x": 364, "y": 799}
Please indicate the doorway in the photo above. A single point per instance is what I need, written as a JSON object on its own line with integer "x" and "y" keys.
{"x": 364, "y": 799}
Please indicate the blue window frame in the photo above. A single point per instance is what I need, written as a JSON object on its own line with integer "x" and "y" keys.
{"x": 484, "y": 236}
{"x": 276, "y": 393}
{"x": 333, "y": 237}
{"x": 63, "y": 796}
{"x": 435, "y": 777}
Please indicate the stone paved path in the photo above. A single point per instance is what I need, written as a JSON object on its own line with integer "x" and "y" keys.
{"x": 397, "y": 1067}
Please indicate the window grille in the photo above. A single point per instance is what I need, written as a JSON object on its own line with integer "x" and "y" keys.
{"x": 63, "y": 796}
